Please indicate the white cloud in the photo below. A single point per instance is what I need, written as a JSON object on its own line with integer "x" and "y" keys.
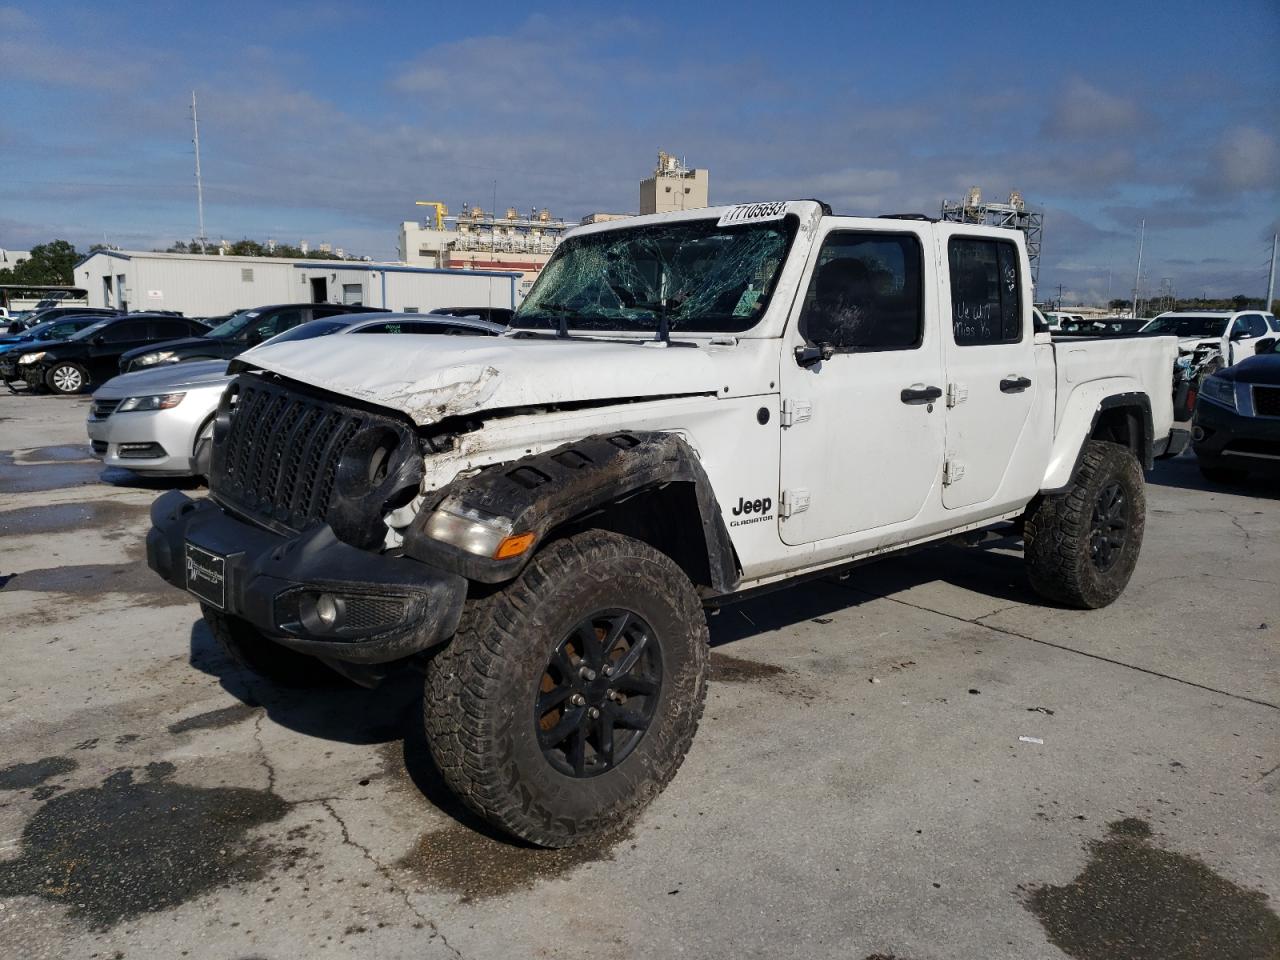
{"x": 1084, "y": 111}
{"x": 1247, "y": 159}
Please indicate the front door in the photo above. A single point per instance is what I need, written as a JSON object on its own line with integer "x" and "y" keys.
{"x": 319, "y": 289}
{"x": 991, "y": 378}
{"x": 862, "y": 432}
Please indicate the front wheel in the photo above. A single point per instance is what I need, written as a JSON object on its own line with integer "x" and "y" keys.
{"x": 568, "y": 698}
{"x": 1082, "y": 545}
{"x": 66, "y": 378}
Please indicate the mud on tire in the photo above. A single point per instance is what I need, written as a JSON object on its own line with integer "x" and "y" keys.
{"x": 486, "y": 690}
{"x": 1082, "y": 544}
{"x": 260, "y": 655}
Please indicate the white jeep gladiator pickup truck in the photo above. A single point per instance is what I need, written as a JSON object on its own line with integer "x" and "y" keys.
{"x": 688, "y": 408}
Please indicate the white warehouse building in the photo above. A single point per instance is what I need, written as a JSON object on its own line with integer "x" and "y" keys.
{"x": 199, "y": 285}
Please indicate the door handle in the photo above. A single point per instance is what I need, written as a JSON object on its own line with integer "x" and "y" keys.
{"x": 1014, "y": 384}
{"x": 920, "y": 394}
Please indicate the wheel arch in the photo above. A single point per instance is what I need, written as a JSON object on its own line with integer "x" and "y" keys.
{"x": 648, "y": 485}
{"x": 1115, "y": 413}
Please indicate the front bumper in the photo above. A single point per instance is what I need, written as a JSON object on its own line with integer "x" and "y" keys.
{"x": 270, "y": 579}
{"x": 1225, "y": 436}
{"x": 122, "y": 440}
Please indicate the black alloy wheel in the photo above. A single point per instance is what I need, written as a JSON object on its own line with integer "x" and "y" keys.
{"x": 598, "y": 693}
{"x": 1110, "y": 525}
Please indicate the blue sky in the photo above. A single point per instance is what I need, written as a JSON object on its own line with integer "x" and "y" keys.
{"x": 326, "y": 121}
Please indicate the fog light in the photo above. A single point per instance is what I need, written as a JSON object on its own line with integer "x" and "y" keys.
{"x": 326, "y": 610}
{"x": 1197, "y": 433}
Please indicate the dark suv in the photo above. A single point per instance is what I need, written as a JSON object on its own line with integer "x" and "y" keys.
{"x": 92, "y": 355}
{"x": 236, "y": 334}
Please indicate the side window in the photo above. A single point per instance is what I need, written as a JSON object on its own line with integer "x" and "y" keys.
{"x": 390, "y": 327}
{"x": 866, "y": 293}
{"x": 1273, "y": 322}
{"x": 1257, "y": 325}
{"x": 275, "y": 323}
{"x": 986, "y": 295}
{"x": 170, "y": 329}
{"x": 125, "y": 332}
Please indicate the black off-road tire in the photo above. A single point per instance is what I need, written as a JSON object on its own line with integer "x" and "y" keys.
{"x": 481, "y": 689}
{"x": 262, "y": 656}
{"x": 1058, "y": 528}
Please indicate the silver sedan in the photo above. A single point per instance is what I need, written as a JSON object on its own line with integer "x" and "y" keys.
{"x": 159, "y": 422}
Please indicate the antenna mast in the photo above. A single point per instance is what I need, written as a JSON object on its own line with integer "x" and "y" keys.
{"x": 1137, "y": 278}
{"x": 195, "y": 127}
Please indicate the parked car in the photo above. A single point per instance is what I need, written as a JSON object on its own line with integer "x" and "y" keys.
{"x": 689, "y": 407}
{"x": 1056, "y": 318}
{"x": 56, "y": 313}
{"x": 1236, "y": 428}
{"x": 51, "y": 331}
{"x": 500, "y": 315}
{"x": 92, "y": 355}
{"x": 236, "y": 334}
{"x": 159, "y": 421}
{"x": 1215, "y": 338}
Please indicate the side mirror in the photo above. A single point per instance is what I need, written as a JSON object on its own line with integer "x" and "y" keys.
{"x": 1239, "y": 333}
{"x": 98, "y": 340}
{"x": 1263, "y": 347}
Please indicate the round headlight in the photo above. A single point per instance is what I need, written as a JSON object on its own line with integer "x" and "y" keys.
{"x": 327, "y": 610}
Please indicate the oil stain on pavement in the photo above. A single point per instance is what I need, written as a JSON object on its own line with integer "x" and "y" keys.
{"x": 1138, "y": 901}
{"x": 130, "y": 846}
{"x": 69, "y": 517}
{"x": 21, "y": 776}
{"x": 727, "y": 669}
{"x": 17, "y": 477}
{"x": 478, "y": 866}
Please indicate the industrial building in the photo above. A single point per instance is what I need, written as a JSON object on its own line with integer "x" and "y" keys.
{"x": 674, "y": 187}
{"x": 198, "y": 285}
{"x": 1014, "y": 215}
{"x": 479, "y": 240}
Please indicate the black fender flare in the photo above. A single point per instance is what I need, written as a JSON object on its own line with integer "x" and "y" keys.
{"x": 544, "y": 491}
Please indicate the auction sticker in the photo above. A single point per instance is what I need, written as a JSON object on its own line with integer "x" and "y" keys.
{"x": 754, "y": 213}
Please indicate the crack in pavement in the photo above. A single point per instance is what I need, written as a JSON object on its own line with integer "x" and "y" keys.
{"x": 262, "y": 752}
{"x": 1062, "y": 646}
{"x": 390, "y": 878}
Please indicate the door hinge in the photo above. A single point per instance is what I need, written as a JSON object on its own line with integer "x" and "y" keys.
{"x": 952, "y": 471}
{"x": 795, "y": 411}
{"x": 957, "y": 393}
{"x": 793, "y": 501}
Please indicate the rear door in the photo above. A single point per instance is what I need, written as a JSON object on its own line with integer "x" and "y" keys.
{"x": 992, "y": 386}
{"x": 861, "y": 431}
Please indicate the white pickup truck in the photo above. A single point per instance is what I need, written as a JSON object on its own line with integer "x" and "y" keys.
{"x": 689, "y": 408}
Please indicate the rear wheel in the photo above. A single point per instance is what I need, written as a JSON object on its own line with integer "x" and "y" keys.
{"x": 1082, "y": 545}
{"x": 261, "y": 655}
{"x": 66, "y": 378}
{"x": 568, "y": 699}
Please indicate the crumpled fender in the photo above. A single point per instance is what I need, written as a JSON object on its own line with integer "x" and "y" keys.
{"x": 545, "y": 490}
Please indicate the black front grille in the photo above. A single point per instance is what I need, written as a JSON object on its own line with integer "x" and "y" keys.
{"x": 102, "y": 409}
{"x": 1266, "y": 401}
{"x": 277, "y": 458}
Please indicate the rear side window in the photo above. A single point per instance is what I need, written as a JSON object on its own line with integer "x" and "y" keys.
{"x": 986, "y": 293}
{"x": 170, "y": 329}
{"x": 865, "y": 294}
{"x": 1273, "y": 323}
{"x": 124, "y": 332}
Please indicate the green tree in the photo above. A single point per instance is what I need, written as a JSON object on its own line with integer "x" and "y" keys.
{"x": 51, "y": 264}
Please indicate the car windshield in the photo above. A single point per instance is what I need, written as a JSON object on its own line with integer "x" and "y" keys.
{"x": 233, "y": 325}
{"x": 1188, "y": 326}
{"x": 703, "y": 278}
{"x": 308, "y": 331}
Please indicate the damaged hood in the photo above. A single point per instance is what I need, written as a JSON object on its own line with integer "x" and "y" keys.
{"x": 433, "y": 377}
{"x": 1192, "y": 344}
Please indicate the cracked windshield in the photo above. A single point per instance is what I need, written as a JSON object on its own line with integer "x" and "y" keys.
{"x": 696, "y": 276}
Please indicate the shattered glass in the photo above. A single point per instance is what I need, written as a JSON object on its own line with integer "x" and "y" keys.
{"x": 700, "y": 277}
